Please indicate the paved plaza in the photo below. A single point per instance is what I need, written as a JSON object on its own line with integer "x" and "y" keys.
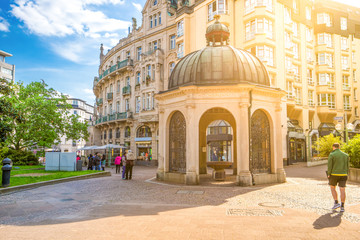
{"x": 143, "y": 208}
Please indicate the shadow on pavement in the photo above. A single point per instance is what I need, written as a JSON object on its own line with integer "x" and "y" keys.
{"x": 328, "y": 220}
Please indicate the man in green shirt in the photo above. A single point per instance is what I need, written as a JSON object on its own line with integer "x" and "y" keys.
{"x": 338, "y": 168}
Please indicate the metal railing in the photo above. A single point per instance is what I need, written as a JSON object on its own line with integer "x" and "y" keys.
{"x": 126, "y": 90}
{"x": 110, "y": 96}
{"x": 114, "y": 116}
{"x": 113, "y": 68}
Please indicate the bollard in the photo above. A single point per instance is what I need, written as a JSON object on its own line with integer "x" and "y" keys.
{"x": 6, "y": 169}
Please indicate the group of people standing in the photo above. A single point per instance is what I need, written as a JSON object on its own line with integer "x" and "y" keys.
{"x": 96, "y": 162}
{"x": 126, "y": 161}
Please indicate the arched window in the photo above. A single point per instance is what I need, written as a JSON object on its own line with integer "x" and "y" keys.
{"x": 260, "y": 154}
{"x": 127, "y": 132}
{"x": 177, "y": 143}
{"x": 155, "y": 2}
{"x": 143, "y": 131}
{"x": 138, "y": 78}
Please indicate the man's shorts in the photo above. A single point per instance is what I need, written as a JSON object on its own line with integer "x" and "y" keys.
{"x": 334, "y": 180}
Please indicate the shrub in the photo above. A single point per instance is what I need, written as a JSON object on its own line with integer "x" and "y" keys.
{"x": 324, "y": 144}
{"x": 19, "y": 157}
{"x": 353, "y": 149}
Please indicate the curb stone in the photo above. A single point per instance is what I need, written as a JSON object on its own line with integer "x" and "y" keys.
{"x": 51, "y": 182}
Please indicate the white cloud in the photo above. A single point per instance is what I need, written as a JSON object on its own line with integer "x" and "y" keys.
{"x": 63, "y": 18}
{"x": 137, "y": 6}
{"x": 4, "y": 25}
{"x": 88, "y": 91}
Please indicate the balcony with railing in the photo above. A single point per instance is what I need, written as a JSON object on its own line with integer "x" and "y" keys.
{"x": 115, "y": 116}
{"x": 118, "y": 66}
{"x": 110, "y": 96}
{"x": 126, "y": 90}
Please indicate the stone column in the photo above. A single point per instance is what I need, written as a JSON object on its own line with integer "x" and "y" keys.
{"x": 154, "y": 143}
{"x": 278, "y": 145}
{"x": 242, "y": 134}
{"x": 162, "y": 146}
{"x": 192, "y": 146}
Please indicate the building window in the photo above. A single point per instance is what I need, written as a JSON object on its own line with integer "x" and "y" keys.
{"x": 138, "y": 78}
{"x": 74, "y": 143}
{"x": 326, "y": 99}
{"x": 155, "y": 2}
{"x": 128, "y": 81}
{"x": 128, "y": 54}
{"x": 143, "y": 131}
{"x": 325, "y": 59}
{"x": 298, "y": 99}
{"x": 251, "y": 4}
{"x": 309, "y": 55}
{"x": 137, "y": 104}
{"x": 171, "y": 67}
{"x": 309, "y": 77}
{"x": 148, "y": 71}
{"x": 355, "y": 94}
{"x": 287, "y": 16}
{"x": 343, "y": 23}
{"x": 344, "y": 43}
{"x": 308, "y": 13}
{"x": 159, "y": 18}
{"x": 324, "y": 18}
{"x": 266, "y": 54}
{"x": 155, "y": 45}
{"x": 127, "y": 105}
{"x": 356, "y": 111}
{"x": 172, "y": 42}
{"x": 347, "y": 102}
{"x": 127, "y": 132}
{"x": 155, "y": 20}
{"x": 118, "y": 106}
{"x": 75, "y": 112}
{"x": 151, "y": 22}
{"x": 118, "y": 86}
{"x": 325, "y": 38}
{"x": 308, "y": 35}
{"x": 110, "y": 134}
{"x": 326, "y": 79}
{"x": 296, "y": 51}
{"x": 290, "y": 90}
{"x": 148, "y": 101}
{"x": 117, "y": 133}
{"x": 104, "y": 135}
{"x": 261, "y": 25}
{"x": 345, "y": 62}
{"x": 346, "y": 85}
{"x": 311, "y": 98}
{"x": 180, "y": 28}
{"x": 217, "y": 7}
{"x": 180, "y": 52}
{"x": 138, "y": 57}
{"x": 354, "y": 76}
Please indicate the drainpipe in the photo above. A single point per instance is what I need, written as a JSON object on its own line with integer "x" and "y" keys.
{"x": 249, "y": 130}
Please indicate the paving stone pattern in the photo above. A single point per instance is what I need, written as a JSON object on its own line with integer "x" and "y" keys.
{"x": 203, "y": 210}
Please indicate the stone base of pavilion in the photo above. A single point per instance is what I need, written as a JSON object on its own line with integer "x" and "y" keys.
{"x": 244, "y": 179}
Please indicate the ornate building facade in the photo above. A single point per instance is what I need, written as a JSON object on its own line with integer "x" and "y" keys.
{"x": 311, "y": 49}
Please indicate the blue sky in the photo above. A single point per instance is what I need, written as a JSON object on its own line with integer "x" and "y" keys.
{"x": 59, "y": 40}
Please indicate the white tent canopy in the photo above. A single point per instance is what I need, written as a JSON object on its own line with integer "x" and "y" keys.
{"x": 101, "y": 147}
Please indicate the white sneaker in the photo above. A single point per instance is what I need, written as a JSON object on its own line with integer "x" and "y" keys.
{"x": 342, "y": 209}
{"x": 336, "y": 205}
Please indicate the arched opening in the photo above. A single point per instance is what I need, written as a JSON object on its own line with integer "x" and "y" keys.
{"x": 143, "y": 131}
{"x": 216, "y": 139}
{"x": 260, "y": 153}
{"x": 219, "y": 138}
{"x": 177, "y": 143}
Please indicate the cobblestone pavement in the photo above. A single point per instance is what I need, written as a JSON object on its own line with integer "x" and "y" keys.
{"x": 143, "y": 208}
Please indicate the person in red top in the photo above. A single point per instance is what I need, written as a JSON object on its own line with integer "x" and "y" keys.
{"x": 117, "y": 164}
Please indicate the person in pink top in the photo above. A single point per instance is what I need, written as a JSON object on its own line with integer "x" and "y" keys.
{"x": 117, "y": 164}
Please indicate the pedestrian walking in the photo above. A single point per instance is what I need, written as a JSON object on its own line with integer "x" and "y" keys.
{"x": 97, "y": 161}
{"x": 129, "y": 164}
{"x": 90, "y": 164}
{"x": 338, "y": 169}
{"x": 117, "y": 164}
{"x": 123, "y": 162}
{"x": 103, "y": 162}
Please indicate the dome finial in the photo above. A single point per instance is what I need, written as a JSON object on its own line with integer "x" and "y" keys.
{"x": 217, "y": 33}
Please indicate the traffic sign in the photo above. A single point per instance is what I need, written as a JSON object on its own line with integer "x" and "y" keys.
{"x": 338, "y": 118}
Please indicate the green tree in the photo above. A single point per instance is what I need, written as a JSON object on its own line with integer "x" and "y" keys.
{"x": 45, "y": 117}
{"x": 353, "y": 149}
{"x": 324, "y": 144}
{"x": 7, "y": 112}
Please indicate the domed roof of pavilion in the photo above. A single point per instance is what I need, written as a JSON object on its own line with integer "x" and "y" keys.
{"x": 218, "y": 63}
